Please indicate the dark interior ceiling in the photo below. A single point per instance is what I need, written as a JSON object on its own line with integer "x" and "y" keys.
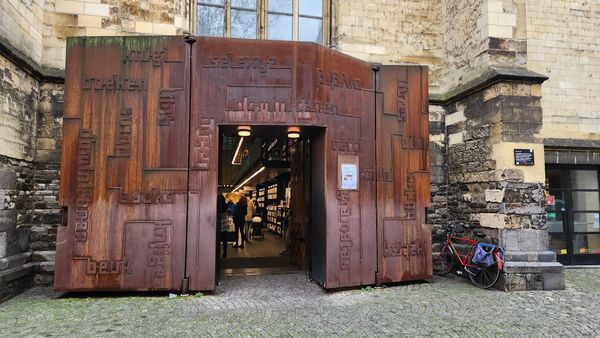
{"x": 266, "y": 134}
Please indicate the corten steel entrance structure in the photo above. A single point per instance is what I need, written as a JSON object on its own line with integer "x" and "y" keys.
{"x": 139, "y": 158}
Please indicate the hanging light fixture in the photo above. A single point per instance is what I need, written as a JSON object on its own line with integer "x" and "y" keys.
{"x": 244, "y": 131}
{"x": 293, "y": 132}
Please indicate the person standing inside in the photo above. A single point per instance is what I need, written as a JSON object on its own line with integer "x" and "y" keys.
{"x": 230, "y": 206}
{"x": 249, "y": 214}
{"x": 239, "y": 218}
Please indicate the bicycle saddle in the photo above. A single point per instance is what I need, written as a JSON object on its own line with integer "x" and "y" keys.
{"x": 479, "y": 233}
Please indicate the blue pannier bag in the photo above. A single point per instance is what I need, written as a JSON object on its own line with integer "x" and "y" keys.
{"x": 484, "y": 254}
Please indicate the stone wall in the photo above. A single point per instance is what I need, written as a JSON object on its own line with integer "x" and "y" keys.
{"x": 387, "y": 32}
{"x": 485, "y": 187}
{"x": 19, "y": 95}
{"x": 478, "y": 35}
{"x": 16, "y": 183}
{"x": 30, "y": 135}
{"x": 37, "y": 29}
{"x": 564, "y": 44}
{"x": 64, "y": 18}
{"x": 464, "y": 42}
{"x": 437, "y": 214}
{"x": 21, "y": 27}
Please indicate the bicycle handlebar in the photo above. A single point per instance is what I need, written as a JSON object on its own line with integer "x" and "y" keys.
{"x": 451, "y": 226}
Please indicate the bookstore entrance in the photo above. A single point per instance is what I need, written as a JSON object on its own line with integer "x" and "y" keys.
{"x": 334, "y": 162}
{"x": 265, "y": 185}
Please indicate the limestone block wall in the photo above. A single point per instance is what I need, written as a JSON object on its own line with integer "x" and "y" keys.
{"x": 391, "y": 32}
{"x": 19, "y": 94}
{"x": 38, "y": 28}
{"x": 30, "y": 135}
{"x": 479, "y": 34}
{"x": 464, "y": 41}
{"x": 564, "y": 44}
{"x": 108, "y": 18}
{"x": 457, "y": 39}
{"x": 21, "y": 26}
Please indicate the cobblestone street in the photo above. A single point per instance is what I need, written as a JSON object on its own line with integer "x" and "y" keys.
{"x": 290, "y": 305}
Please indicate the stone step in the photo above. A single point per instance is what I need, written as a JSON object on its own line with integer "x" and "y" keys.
{"x": 533, "y": 267}
{"x": 43, "y": 256}
{"x": 44, "y": 266}
{"x": 530, "y": 256}
{"x": 16, "y": 273}
{"x": 14, "y": 261}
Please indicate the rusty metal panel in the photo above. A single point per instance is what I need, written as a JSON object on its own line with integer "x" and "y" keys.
{"x": 402, "y": 174}
{"x": 345, "y": 84}
{"x": 247, "y": 82}
{"x": 124, "y": 164}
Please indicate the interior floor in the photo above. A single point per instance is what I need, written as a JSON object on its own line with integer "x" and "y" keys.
{"x": 258, "y": 256}
{"x": 269, "y": 246}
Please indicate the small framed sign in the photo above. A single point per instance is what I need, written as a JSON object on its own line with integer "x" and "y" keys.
{"x": 348, "y": 170}
{"x": 524, "y": 157}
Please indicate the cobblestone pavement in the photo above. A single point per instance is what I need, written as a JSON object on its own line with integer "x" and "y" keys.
{"x": 290, "y": 305}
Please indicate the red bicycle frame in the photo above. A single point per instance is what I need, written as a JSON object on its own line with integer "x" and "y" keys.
{"x": 464, "y": 262}
{"x": 449, "y": 245}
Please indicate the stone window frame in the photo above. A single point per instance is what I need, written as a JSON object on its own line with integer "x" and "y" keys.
{"x": 262, "y": 16}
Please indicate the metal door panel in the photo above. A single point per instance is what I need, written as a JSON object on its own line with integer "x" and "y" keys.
{"x": 403, "y": 174}
{"x": 124, "y": 165}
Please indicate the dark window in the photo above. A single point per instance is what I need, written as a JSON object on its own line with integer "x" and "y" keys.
{"x": 573, "y": 214}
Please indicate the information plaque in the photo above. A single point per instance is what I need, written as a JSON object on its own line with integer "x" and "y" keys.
{"x": 524, "y": 157}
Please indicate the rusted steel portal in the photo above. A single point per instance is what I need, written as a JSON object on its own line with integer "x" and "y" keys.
{"x": 139, "y": 159}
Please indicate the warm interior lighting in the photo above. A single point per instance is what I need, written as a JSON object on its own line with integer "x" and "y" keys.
{"x": 244, "y": 131}
{"x": 248, "y": 179}
{"x": 237, "y": 150}
{"x": 293, "y": 132}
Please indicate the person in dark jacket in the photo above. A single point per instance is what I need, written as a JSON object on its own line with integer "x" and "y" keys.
{"x": 230, "y": 206}
{"x": 239, "y": 219}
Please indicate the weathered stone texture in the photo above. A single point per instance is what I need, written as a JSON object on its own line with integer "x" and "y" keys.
{"x": 64, "y": 18}
{"x": 564, "y": 44}
{"x": 37, "y": 29}
{"x": 49, "y": 126}
{"x": 19, "y": 95}
{"x": 391, "y": 33}
{"x": 437, "y": 213}
{"x": 480, "y": 190}
{"x": 21, "y": 26}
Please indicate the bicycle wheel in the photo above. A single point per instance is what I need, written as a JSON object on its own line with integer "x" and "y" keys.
{"x": 483, "y": 276}
{"x": 443, "y": 259}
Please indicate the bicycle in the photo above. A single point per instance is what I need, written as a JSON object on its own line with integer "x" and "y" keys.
{"x": 483, "y": 273}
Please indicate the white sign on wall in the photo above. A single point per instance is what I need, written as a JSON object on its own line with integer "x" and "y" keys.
{"x": 349, "y": 176}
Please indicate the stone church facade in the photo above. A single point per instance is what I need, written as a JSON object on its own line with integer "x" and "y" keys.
{"x": 505, "y": 76}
